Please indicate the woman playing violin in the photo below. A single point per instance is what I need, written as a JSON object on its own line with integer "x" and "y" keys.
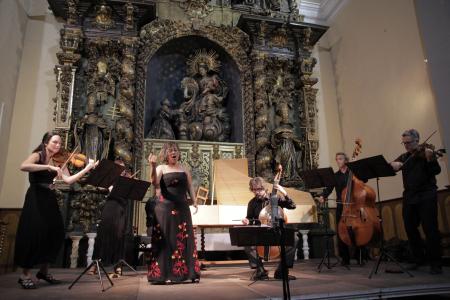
{"x": 419, "y": 168}
{"x": 40, "y": 231}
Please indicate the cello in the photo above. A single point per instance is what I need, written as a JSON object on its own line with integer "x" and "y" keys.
{"x": 265, "y": 217}
{"x": 359, "y": 224}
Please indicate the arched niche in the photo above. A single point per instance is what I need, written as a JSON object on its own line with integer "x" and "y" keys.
{"x": 167, "y": 68}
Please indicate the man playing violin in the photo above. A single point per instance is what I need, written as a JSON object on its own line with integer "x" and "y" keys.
{"x": 254, "y": 207}
{"x": 419, "y": 168}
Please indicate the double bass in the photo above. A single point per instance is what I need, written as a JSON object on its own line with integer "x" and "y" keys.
{"x": 359, "y": 224}
{"x": 265, "y": 217}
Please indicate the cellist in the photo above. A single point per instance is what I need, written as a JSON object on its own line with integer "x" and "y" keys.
{"x": 254, "y": 207}
{"x": 419, "y": 168}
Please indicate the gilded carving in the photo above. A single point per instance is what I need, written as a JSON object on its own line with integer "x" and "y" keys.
{"x": 103, "y": 19}
{"x": 195, "y": 9}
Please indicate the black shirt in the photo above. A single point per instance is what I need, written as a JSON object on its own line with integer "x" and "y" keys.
{"x": 255, "y": 206}
{"x": 419, "y": 177}
{"x": 341, "y": 184}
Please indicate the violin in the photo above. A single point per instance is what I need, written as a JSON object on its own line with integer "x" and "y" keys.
{"x": 421, "y": 149}
{"x": 63, "y": 157}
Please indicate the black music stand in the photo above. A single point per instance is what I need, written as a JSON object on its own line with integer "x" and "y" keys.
{"x": 104, "y": 175}
{"x": 321, "y": 179}
{"x": 134, "y": 190}
{"x": 267, "y": 236}
{"x": 369, "y": 168}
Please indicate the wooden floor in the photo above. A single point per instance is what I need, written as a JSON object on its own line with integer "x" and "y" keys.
{"x": 229, "y": 281}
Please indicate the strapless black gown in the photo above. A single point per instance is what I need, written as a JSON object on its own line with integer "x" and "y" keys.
{"x": 174, "y": 254}
{"x": 40, "y": 232}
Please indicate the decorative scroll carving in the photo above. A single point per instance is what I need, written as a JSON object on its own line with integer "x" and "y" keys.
{"x": 86, "y": 206}
{"x": 195, "y": 9}
{"x": 65, "y": 77}
{"x": 124, "y": 128}
{"x": 72, "y": 12}
{"x": 309, "y": 110}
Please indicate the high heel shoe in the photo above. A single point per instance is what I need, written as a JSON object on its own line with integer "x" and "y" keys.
{"x": 47, "y": 277}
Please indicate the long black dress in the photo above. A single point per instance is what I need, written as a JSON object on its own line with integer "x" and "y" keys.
{"x": 40, "y": 233}
{"x": 174, "y": 254}
{"x": 109, "y": 244}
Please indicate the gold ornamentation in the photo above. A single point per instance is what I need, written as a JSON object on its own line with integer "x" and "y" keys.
{"x": 203, "y": 58}
{"x": 196, "y": 9}
{"x": 103, "y": 18}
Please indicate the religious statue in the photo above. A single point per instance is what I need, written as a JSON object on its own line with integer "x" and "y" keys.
{"x": 211, "y": 121}
{"x": 202, "y": 115}
{"x": 289, "y": 153}
{"x": 100, "y": 88}
{"x": 161, "y": 127}
{"x": 283, "y": 102}
{"x": 129, "y": 19}
{"x": 185, "y": 112}
{"x": 103, "y": 18}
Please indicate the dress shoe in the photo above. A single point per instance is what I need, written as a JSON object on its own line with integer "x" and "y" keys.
{"x": 47, "y": 277}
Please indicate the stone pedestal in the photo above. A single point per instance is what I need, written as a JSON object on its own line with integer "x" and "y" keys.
{"x": 91, "y": 243}
{"x": 74, "y": 254}
{"x": 305, "y": 244}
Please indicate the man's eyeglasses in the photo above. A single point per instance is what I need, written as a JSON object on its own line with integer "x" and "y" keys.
{"x": 407, "y": 143}
{"x": 258, "y": 189}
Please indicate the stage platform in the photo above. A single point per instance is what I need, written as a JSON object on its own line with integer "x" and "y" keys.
{"x": 231, "y": 281}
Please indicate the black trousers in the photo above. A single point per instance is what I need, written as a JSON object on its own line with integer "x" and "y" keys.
{"x": 256, "y": 262}
{"x": 424, "y": 213}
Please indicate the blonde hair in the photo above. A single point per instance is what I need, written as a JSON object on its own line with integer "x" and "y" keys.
{"x": 256, "y": 183}
{"x": 164, "y": 153}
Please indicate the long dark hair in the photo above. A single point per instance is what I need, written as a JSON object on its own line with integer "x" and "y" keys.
{"x": 41, "y": 148}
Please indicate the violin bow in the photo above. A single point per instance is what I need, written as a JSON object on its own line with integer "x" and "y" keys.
{"x": 429, "y": 137}
{"x": 70, "y": 157}
{"x": 135, "y": 173}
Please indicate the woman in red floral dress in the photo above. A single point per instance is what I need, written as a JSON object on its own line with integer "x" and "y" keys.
{"x": 174, "y": 254}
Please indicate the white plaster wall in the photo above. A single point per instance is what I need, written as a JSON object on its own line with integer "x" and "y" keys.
{"x": 33, "y": 107}
{"x": 373, "y": 53}
{"x": 13, "y": 22}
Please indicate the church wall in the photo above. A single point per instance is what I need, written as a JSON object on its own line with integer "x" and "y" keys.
{"x": 373, "y": 75}
{"x": 13, "y": 22}
{"x": 33, "y": 105}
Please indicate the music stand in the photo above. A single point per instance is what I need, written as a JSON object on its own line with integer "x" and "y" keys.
{"x": 369, "y": 168}
{"x": 267, "y": 236}
{"x": 104, "y": 175}
{"x": 320, "y": 179}
{"x": 134, "y": 190}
